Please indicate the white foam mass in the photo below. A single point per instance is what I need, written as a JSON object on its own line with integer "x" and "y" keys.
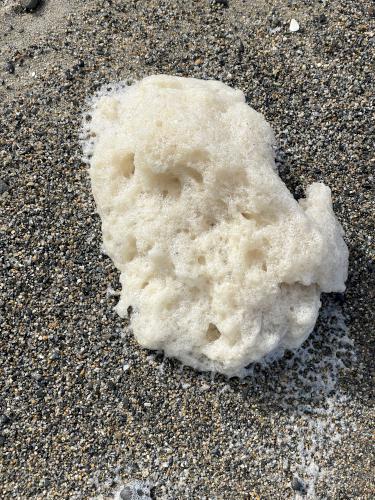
{"x": 218, "y": 260}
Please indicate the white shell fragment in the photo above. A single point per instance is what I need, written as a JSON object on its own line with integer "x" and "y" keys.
{"x": 218, "y": 260}
{"x": 294, "y": 26}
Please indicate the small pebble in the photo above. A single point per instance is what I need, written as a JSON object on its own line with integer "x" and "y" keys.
{"x": 3, "y": 187}
{"x": 4, "y": 420}
{"x": 322, "y": 19}
{"x": 294, "y": 26}
{"x": 30, "y": 4}
{"x": 224, "y": 3}
{"x": 9, "y": 67}
{"x": 298, "y": 485}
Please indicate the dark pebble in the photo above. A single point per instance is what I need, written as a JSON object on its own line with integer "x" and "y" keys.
{"x": 298, "y": 485}
{"x": 2, "y": 440}
{"x": 3, "y": 187}
{"x": 39, "y": 393}
{"x": 9, "y": 67}
{"x": 224, "y": 3}
{"x": 68, "y": 75}
{"x": 30, "y": 4}
{"x": 4, "y": 420}
{"x": 322, "y": 19}
{"x": 111, "y": 385}
{"x": 275, "y": 22}
{"x": 241, "y": 49}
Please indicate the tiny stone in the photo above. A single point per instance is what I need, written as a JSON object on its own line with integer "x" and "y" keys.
{"x": 68, "y": 75}
{"x": 9, "y": 67}
{"x": 111, "y": 385}
{"x": 54, "y": 356}
{"x": 322, "y": 19}
{"x": 224, "y": 3}
{"x": 30, "y": 4}
{"x": 298, "y": 485}
{"x": 275, "y": 21}
{"x": 241, "y": 48}
{"x": 4, "y": 420}
{"x": 294, "y": 26}
{"x": 3, "y": 187}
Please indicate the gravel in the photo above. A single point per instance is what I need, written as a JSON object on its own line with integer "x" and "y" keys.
{"x": 80, "y": 425}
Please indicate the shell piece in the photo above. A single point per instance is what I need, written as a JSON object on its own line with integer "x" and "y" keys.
{"x": 294, "y": 26}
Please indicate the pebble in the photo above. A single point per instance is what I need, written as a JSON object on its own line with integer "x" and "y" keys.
{"x": 30, "y": 4}
{"x": 298, "y": 485}
{"x": 224, "y": 3}
{"x": 4, "y": 420}
{"x": 9, "y": 67}
{"x": 322, "y": 19}
{"x": 294, "y": 26}
{"x": 3, "y": 187}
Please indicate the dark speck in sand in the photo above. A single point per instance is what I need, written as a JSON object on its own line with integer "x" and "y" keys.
{"x": 31, "y": 4}
{"x": 9, "y": 67}
{"x": 298, "y": 485}
{"x": 4, "y": 420}
{"x": 3, "y": 187}
{"x": 224, "y": 3}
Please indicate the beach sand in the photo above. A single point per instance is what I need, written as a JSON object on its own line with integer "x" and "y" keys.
{"x": 83, "y": 409}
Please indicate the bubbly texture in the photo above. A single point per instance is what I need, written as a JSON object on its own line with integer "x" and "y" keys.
{"x": 220, "y": 263}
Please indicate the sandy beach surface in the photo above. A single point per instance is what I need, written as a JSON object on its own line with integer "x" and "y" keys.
{"x": 85, "y": 411}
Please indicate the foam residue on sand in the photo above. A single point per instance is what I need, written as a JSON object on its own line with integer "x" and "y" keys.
{"x": 305, "y": 385}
